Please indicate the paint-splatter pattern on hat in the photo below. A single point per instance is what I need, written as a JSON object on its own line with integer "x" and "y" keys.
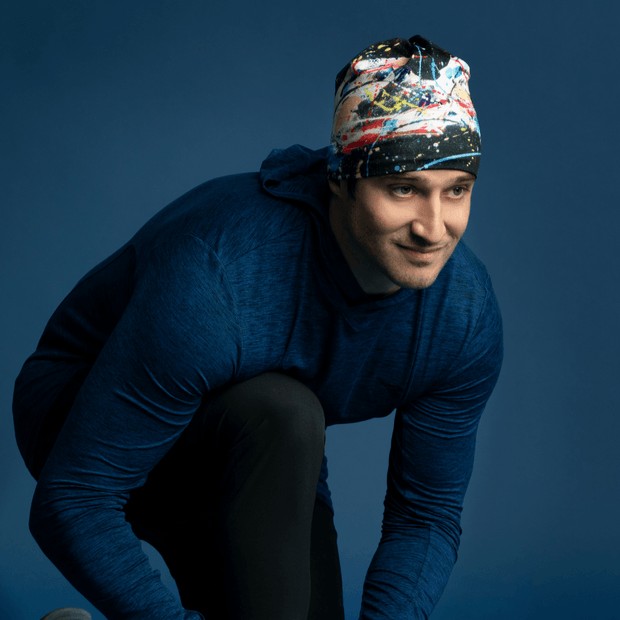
{"x": 403, "y": 105}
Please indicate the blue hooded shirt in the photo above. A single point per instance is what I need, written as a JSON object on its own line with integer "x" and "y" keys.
{"x": 240, "y": 276}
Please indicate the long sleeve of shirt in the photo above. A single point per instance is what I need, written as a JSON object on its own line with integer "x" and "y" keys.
{"x": 431, "y": 462}
{"x": 139, "y": 396}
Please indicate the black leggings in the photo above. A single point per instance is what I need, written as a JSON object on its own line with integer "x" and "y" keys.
{"x": 232, "y": 509}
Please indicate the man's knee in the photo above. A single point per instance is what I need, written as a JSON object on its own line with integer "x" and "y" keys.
{"x": 273, "y": 407}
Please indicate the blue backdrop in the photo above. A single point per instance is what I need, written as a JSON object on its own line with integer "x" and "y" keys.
{"x": 112, "y": 109}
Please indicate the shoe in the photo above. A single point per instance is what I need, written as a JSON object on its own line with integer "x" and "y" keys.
{"x": 68, "y": 613}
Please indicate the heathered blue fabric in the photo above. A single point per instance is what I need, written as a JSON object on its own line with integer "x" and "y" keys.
{"x": 240, "y": 276}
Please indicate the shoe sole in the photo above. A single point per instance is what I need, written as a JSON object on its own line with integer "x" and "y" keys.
{"x": 68, "y": 613}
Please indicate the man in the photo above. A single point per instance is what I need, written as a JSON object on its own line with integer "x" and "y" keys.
{"x": 180, "y": 392}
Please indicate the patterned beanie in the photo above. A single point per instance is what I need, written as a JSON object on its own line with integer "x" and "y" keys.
{"x": 403, "y": 105}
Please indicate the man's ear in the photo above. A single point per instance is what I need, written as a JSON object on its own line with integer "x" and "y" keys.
{"x": 337, "y": 188}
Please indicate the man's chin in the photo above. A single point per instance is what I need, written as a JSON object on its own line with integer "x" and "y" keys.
{"x": 419, "y": 286}
{"x": 417, "y": 281}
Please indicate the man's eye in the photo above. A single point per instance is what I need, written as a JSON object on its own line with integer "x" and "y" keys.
{"x": 403, "y": 190}
{"x": 458, "y": 191}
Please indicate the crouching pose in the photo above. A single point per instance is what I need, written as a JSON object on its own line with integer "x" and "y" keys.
{"x": 180, "y": 393}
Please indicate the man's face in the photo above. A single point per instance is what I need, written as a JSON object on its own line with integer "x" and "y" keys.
{"x": 398, "y": 231}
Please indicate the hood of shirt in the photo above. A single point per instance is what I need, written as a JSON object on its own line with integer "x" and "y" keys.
{"x": 300, "y": 174}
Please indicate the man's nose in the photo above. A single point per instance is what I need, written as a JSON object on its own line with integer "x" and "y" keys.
{"x": 428, "y": 221}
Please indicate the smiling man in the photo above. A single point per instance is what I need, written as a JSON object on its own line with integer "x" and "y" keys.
{"x": 180, "y": 393}
{"x": 399, "y": 230}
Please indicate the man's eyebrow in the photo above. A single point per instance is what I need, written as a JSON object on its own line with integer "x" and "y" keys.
{"x": 464, "y": 178}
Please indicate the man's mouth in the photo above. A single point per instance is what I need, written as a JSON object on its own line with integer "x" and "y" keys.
{"x": 421, "y": 255}
{"x": 421, "y": 250}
